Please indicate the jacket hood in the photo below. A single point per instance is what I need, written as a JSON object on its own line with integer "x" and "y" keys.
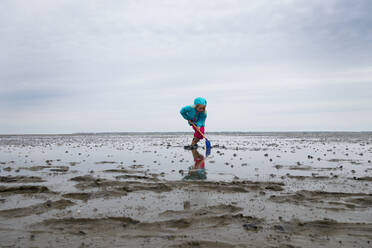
{"x": 200, "y": 100}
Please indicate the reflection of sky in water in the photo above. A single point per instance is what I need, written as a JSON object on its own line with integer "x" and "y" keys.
{"x": 246, "y": 156}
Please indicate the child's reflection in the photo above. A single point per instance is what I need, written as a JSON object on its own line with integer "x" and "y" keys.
{"x": 197, "y": 172}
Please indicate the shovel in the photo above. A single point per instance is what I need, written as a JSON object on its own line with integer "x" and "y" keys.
{"x": 207, "y": 143}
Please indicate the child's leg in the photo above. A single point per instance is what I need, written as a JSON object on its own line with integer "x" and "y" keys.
{"x": 197, "y": 136}
{"x": 195, "y": 141}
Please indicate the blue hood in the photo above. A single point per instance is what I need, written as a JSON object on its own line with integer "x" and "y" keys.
{"x": 200, "y": 100}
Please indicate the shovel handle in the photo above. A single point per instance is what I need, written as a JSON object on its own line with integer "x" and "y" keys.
{"x": 197, "y": 129}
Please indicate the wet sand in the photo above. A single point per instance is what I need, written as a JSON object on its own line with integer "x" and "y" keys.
{"x": 255, "y": 190}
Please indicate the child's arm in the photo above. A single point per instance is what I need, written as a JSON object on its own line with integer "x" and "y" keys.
{"x": 184, "y": 112}
{"x": 201, "y": 121}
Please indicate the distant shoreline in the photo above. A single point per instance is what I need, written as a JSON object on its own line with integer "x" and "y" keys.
{"x": 268, "y": 133}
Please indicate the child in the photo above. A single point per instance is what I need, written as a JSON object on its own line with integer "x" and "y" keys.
{"x": 195, "y": 114}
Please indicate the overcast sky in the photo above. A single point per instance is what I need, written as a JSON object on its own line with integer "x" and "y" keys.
{"x": 94, "y": 66}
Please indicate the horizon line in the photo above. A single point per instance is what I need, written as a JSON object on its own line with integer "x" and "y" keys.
{"x": 178, "y": 132}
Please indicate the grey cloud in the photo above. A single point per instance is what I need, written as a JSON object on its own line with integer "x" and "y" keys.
{"x": 145, "y": 59}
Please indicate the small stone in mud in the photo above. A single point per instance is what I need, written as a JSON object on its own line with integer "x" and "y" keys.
{"x": 278, "y": 166}
{"x": 251, "y": 227}
{"x": 279, "y": 228}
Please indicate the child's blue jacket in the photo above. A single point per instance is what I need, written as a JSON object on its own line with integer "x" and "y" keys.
{"x": 190, "y": 113}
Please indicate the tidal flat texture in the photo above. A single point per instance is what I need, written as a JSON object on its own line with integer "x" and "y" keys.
{"x": 146, "y": 190}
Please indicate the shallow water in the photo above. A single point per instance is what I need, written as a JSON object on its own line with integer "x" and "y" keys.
{"x": 247, "y": 156}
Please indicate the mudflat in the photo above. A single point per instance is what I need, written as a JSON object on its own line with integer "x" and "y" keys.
{"x": 145, "y": 190}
